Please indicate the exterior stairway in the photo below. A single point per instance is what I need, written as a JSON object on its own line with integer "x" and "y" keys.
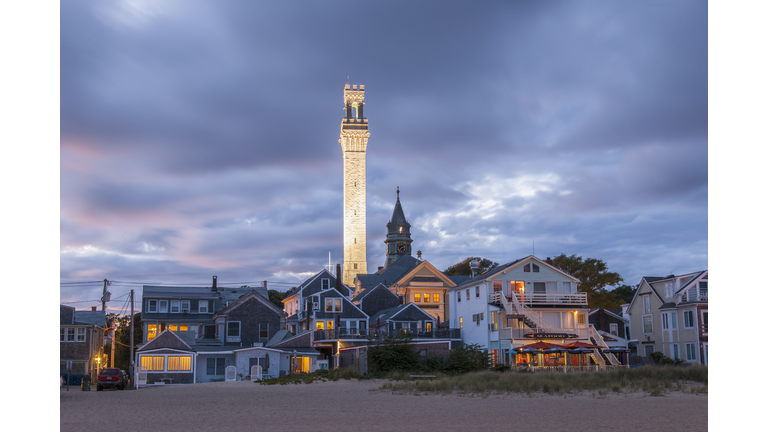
{"x": 597, "y": 339}
{"x": 516, "y": 309}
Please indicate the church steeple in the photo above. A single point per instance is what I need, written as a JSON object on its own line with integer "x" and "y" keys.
{"x": 398, "y": 234}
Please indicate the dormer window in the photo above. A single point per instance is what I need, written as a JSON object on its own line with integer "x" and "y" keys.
{"x": 325, "y": 284}
{"x": 669, "y": 289}
{"x": 151, "y": 305}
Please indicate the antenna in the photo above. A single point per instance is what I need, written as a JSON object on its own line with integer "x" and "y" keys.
{"x": 533, "y": 243}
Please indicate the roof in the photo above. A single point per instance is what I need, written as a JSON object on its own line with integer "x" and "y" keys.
{"x": 280, "y": 336}
{"x": 389, "y": 275}
{"x": 222, "y": 297}
{"x": 691, "y": 281}
{"x": 491, "y": 272}
{"x": 91, "y": 317}
{"x": 364, "y": 293}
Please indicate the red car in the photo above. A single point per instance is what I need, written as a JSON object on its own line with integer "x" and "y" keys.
{"x": 110, "y": 378}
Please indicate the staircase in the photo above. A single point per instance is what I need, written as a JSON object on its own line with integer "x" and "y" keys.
{"x": 598, "y": 340}
{"x": 516, "y": 309}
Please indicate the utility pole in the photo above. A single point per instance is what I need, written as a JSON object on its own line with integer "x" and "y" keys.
{"x": 130, "y": 361}
{"x": 112, "y": 356}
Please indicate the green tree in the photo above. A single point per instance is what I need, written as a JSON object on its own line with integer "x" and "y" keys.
{"x": 624, "y": 293}
{"x": 462, "y": 268}
{"x": 123, "y": 340}
{"x": 276, "y": 297}
{"x": 594, "y": 276}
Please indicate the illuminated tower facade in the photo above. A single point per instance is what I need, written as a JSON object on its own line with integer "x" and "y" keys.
{"x": 354, "y": 141}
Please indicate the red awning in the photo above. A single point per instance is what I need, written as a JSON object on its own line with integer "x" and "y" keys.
{"x": 580, "y": 345}
{"x": 541, "y": 346}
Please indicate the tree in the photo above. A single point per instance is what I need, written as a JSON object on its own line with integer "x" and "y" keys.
{"x": 462, "y": 268}
{"x": 123, "y": 340}
{"x": 624, "y": 293}
{"x": 594, "y": 276}
{"x": 276, "y": 297}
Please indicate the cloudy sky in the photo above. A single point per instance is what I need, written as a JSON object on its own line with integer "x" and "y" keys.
{"x": 201, "y": 138}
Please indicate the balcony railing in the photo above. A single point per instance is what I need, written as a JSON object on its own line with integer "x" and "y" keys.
{"x": 345, "y": 333}
{"x": 532, "y": 300}
{"x": 516, "y": 333}
{"x": 693, "y": 295}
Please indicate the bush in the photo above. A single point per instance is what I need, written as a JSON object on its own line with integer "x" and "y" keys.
{"x": 468, "y": 358}
{"x": 393, "y": 353}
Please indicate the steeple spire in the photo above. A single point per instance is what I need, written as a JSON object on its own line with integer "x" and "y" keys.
{"x": 398, "y": 234}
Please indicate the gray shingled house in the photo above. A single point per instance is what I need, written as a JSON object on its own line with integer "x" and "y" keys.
{"x": 81, "y": 339}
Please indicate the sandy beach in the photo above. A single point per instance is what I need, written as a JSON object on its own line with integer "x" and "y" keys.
{"x": 356, "y": 405}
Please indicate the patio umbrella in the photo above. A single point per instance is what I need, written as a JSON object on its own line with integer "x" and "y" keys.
{"x": 580, "y": 350}
{"x": 581, "y": 345}
{"x": 556, "y": 350}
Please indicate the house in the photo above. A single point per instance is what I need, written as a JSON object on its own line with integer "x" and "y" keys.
{"x": 295, "y": 303}
{"x": 81, "y": 340}
{"x": 670, "y": 315}
{"x": 192, "y": 334}
{"x": 524, "y": 301}
{"x": 611, "y": 325}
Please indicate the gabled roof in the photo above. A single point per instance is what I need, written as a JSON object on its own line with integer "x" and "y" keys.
{"x": 495, "y": 271}
{"x": 389, "y": 314}
{"x": 166, "y": 339}
{"x": 609, "y": 312}
{"x": 426, "y": 264}
{"x": 692, "y": 281}
{"x": 279, "y": 337}
{"x": 322, "y": 273}
{"x": 364, "y": 293}
{"x": 247, "y": 296}
{"x": 647, "y": 280}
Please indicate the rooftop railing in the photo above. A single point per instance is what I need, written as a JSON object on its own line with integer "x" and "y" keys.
{"x": 373, "y": 333}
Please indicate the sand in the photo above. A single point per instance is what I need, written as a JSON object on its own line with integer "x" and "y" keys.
{"x": 350, "y": 405}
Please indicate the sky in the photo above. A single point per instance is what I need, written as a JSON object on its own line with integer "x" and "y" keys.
{"x": 201, "y": 138}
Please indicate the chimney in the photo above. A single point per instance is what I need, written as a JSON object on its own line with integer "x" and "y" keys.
{"x": 265, "y": 284}
{"x": 402, "y": 299}
{"x": 338, "y": 277}
{"x": 474, "y": 267}
{"x": 93, "y": 308}
{"x": 214, "y": 284}
{"x": 548, "y": 261}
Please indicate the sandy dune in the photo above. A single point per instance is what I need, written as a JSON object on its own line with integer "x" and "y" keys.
{"x": 351, "y": 405}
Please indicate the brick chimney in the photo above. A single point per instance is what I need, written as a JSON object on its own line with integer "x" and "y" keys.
{"x": 214, "y": 284}
{"x": 93, "y": 308}
{"x": 548, "y": 261}
{"x": 338, "y": 277}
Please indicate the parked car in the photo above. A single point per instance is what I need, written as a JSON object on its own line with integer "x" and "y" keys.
{"x": 110, "y": 378}
{"x": 126, "y": 379}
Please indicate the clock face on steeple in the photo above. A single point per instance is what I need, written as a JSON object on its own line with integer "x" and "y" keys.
{"x": 401, "y": 247}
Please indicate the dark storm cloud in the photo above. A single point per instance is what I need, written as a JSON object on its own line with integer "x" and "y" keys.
{"x": 201, "y": 138}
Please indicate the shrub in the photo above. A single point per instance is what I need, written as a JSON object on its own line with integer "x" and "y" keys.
{"x": 392, "y": 353}
{"x": 467, "y": 358}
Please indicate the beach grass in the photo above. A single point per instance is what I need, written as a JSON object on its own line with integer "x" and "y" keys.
{"x": 652, "y": 380}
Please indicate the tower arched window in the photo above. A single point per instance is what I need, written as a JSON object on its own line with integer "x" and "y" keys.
{"x": 354, "y": 109}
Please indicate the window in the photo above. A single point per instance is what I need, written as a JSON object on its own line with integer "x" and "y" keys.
{"x": 496, "y": 286}
{"x": 649, "y": 349}
{"x": 263, "y": 330}
{"x": 151, "y": 305}
{"x": 162, "y": 306}
{"x": 184, "y": 306}
{"x": 566, "y": 287}
{"x": 614, "y": 329}
{"x": 63, "y": 335}
{"x": 325, "y": 284}
{"x": 690, "y": 351}
{"x": 673, "y": 318}
{"x": 436, "y": 298}
{"x": 647, "y": 303}
{"x": 417, "y": 297}
{"x": 675, "y": 351}
{"x": 355, "y": 265}
{"x": 329, "y": 324}
{"x": 647, "y": 324}
{"x": 688, "y": 318}
{"x": 580, "y": 319}
{"x": 202, "y": 306}
{"x": 494, "y": 323}
{"x": 669, "y": 289}
{"x": 704, "y": 321}
{"x": 179, "y": 363}
{"x": 528, "y": 268}
{"x": 362, "y": 325}
{"x": 151, "y": 331}
{"x": 153, "y": 363}
{"x": 320, "y": 325}
{"x": 214, "y": 366}
{"x": 467, "y": 293}
{"x": 426, "y": 298}
{"x": 428, "y": 326}
{"x": 233, "y": 329}
{"x": 333, "y": 305}
{"x": 81, "y": 335}
{"x": 175, "y": 306}
{"x": 70, "y": 335}
{"x": 461, "y": 322}
{"x": 458, "y": 297}
{"x": 477, "y": 291}
{"x": 664, "y": 322}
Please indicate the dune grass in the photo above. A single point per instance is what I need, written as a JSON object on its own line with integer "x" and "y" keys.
{"x": 652, "y": 380}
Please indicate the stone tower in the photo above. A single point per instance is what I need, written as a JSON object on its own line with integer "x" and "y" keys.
{"x": 398, "y": 234}
{"x": 354, "y": 141}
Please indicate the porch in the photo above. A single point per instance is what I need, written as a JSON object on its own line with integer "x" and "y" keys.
{"x": 374, "y": 333}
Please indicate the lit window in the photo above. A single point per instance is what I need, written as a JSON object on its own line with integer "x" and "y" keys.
{"x": 436, "y": 298}
{"x": 467, "y": 293}
{"x": 263, "y": 330}
{"x": 183, "y": 327}
{"x": 426, "y": 298}
{"x": 329, "y": 324}
{"x": 151, "y": 331}
{"x": 179, "y": 363}
{"x": 614, "y": 329}
{"x": 477, "y": 291}
{"x": 158, "y": 363}
{"x": 496, "y": 286}
{"x": 461, "y": 322}
{"x": 173, "y": 327}
{"x": 320, "y": 325}
{"x": 580, "y": 319}
{"x": 417, "y": 297}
